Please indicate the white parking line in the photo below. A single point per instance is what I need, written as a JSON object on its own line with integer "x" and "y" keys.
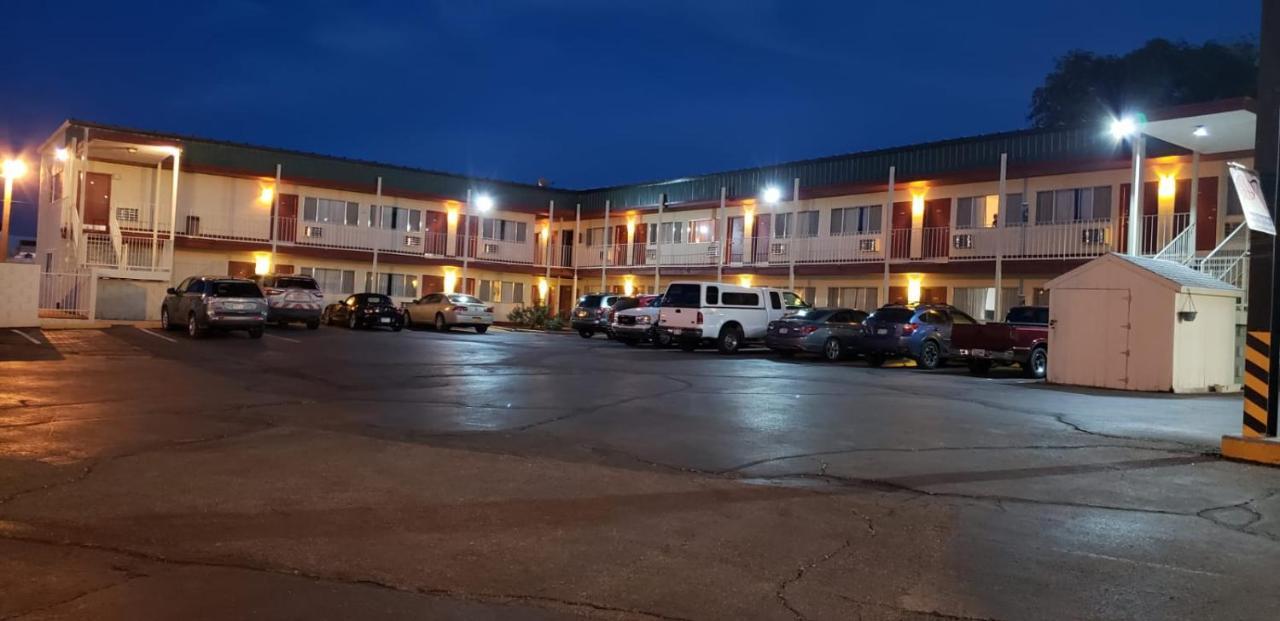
{"x": 157, "y": 335}
{"x": 27, "y": 336}
{"x": 283, "y": 338}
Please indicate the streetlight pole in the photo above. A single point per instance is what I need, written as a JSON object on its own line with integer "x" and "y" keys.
{"x": 13, "y": 169}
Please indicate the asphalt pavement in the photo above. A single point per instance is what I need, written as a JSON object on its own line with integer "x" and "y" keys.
{"x": 338, "y": 474}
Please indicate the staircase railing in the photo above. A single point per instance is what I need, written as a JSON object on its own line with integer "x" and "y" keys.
{"x": 117, "y": 240}
{"x": 1182, "y": 248}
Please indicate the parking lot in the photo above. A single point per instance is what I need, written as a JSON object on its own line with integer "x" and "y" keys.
{"x": 338, "y": 474}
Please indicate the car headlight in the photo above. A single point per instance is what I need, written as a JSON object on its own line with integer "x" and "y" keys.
{"x": 643, "y": 319}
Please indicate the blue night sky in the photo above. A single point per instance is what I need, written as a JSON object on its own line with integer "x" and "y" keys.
{"x": 586, "y": 93}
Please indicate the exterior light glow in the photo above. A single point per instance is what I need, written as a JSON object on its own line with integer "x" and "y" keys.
{"x": 484, "y": 202}
{"x": 451, "y": 209}
{"x": 913, "y": 288}
{"x": 744, "y": 280}
{"x": 771, "y": 195}
{"x": 917, "y": 200}
{"x": 1123, "y": 127}
{"x": 543, "y": 289}
{"x": 1168, "y": 186}
{"x": 450, "y": 279}
{"x": 629, "y": 285}
{"x": 267, "y": 194}
{"x": 61, "y": 154}
{"x": 1200, "y": 131}
{"x": 13, "y": 169}
{"x": 261, "y": 263}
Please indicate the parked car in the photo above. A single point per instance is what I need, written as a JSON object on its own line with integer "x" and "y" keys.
{"x": 831, "y": 332}
{"x": 636, "y": 325}
{"x": 922, "y": 333}
{"x": 292, "y": 298}
{"x": 591, "y": 315}
{"x": 699, "y": 313}
{"x": 365, "y": 310}
{"x": 623, "y": 303}
{"x": 1023, "y": 339}
{"x": 204, "y": 303}
{"x": 446, "y": 310}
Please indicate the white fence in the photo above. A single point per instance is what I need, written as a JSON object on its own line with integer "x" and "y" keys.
{"x": 66, "y": 295}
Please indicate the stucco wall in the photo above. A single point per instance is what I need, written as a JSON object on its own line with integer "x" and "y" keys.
{"x": 20, "y": 283}
{"x": 129, "y": 300}
{"x": 1204, "y": 349}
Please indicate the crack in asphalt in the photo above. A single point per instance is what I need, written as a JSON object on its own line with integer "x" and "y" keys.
{"x": 781, "y": 592}
{"x": 267, "y": 568}
{"x": 129, "y": 576}
{"x": 933, "y": 614}
{"x": 1217, "y": 515}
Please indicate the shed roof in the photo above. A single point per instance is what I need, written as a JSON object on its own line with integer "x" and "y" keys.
{"x": 1174, "y": 275}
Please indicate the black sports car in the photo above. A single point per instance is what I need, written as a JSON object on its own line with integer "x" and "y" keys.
{"x": 365, "y": 310}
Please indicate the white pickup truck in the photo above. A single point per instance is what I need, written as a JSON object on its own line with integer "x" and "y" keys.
{"x": 698, "y": 313}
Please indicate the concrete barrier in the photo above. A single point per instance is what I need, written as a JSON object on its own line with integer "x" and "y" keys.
{"x": 19, "y": 295}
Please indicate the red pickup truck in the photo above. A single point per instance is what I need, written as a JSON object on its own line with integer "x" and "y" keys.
{"x": 1022, "y": 339}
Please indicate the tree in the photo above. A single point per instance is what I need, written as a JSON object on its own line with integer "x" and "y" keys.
{"x": 1085, "y": 87}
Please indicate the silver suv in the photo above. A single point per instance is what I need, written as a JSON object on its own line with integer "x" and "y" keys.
{"x": 202, "y": 303}
{"x": 292, "y": 298}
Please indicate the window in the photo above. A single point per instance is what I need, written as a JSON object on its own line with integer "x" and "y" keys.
{"x": 232, "y": 289}
{"x": 672, "y": 233}
{"x": 774, "y": 300}
{"x": 394, "y": 285}
{"x": 595, "y": 236}
{"x": 330, "y": 211}
{"x": 855, "y": 220}
{"x": 958, "y": 317}
{"x": 977, "y": 212}
{"x": 508, "y": 291}
{"x": 395, "y": 218}
{"x": 1073, "y": 205}
{"x": 702, "y": 231}
{"x": 713, "y": 295}
{"x": 504, "y": 230}
{"x": 853, "y": 297}
{"x": 807, "y": 227}
{"x": 517, "y": 293}
{"x": 331, "y": 280}
{"x": 734, "y": 298}
{"x": 682, "y": 296}
{"x": 458, "y": 298}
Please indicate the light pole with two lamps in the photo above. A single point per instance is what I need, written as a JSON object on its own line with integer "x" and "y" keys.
{"x": 12, "y": 169}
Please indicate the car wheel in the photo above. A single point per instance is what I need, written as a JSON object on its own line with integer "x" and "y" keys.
{"x": 1037, "y": 365}
{"x": 930, "y": 356}
{"x": 164, "y": 319}
{"x": 832, "y": 350}
{"x": 313, "y": 324}
{"x": 875, "y": 360}
{"x": 661, "y": 339}
{"x": 397, "y": 326}
{"x": 730, "y": 340}
{"x": 193, "y": 327}
{"x": 325, "y": 318}
{"x": 441, "y": 326}
{"x": 585, "y": 333}
{"x": 408, "y": 320}
{"x": 980, "y": 367}
{"x": 482, "y": 329}
{"x": 255, "y": 333}
{"x": 353, "y": 322}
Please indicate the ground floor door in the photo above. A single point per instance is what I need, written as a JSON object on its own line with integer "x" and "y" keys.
{"x": 431, "y": 284}
{"x": 97, "y": 201}
{"x": 1207, "y": 214}
{"x": 565, "y": 302}
{"x": 1089, "y": 337}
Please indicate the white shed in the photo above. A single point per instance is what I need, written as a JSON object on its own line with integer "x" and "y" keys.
{"x": 1133, "y": 323}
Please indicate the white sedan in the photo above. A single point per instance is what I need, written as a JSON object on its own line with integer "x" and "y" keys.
{"x": 446, "y": 310}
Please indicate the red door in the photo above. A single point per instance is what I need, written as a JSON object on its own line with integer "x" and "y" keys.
{"x": 619, "y": 249}
{"x": 97, "y": 201}
{"x": 1207, "y": 214}
{"x": 760, "y": 237}
{"x": 287, "y": 226}
{"x": 735, "y": 247}
{"x": 431, "y": 284}
{"x": 641, "y": 247}
{"x": 937, "y": 228}
{"x": 900, "y": 234}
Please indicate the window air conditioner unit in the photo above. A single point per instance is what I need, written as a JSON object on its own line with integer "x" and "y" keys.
{"x": 778, "y": 248}
{"x": 713, "y": 249}
{"x": 491, "y": 248}
{"x": 1093, "y": 236}
{"x": 963, "y": 242}
{"x": 868, "y": 245}
{"x": 412, "y": 240}
{"x": 313, "y": 231}
{"x": 651, "y": 254}
{"x": 127, "y": 214}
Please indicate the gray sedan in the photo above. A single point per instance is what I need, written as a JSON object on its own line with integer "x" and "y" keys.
{"x": 831, "y": 332}
{"x": 445, "y": 310}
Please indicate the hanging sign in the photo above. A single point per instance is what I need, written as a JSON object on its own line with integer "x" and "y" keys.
{"x": 1252, "y": 201}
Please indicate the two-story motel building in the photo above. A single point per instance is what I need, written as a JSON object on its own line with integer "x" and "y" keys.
{"x": 126, "y": 213}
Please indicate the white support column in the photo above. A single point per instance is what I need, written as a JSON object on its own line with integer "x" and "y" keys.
{"x": 657, "y": 241}
{"x": 466, "y": 241}
{"x": 275, "y": 216}
{"x": 723, "y": 226}
{"x": 604, "y": 259}
{"x": 886, "y": 222}
{"x": 795, "y": 234}
{"x": 173, "y": 203}
{"x": 577, "y": 233}
{"x": 375, "y": 235}
{"x": 1195, "y": 198}
{"x": 1000, "y": 208}
{"x": 155, "y": 217}
{"x": 551, "y": 221}
{"x": 1139, "y": 146}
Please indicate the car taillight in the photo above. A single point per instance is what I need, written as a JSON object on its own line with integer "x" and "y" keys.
{"x": 699, "y": 317}
{"x": 273, "y": 291}
{"x": 458, "y": 309}
{"x": 808, "y": 329}
{"x": 489, "y": 310}
{"x": 908, "y": 328}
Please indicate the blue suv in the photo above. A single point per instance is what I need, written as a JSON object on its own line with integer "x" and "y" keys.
{"x": 922, "y": 333}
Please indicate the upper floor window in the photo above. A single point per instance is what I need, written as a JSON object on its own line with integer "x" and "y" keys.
{"x": 702, "y": 231}
{"x": 1074, "y": 205}
{"x": 855, "y": 220}
{"x": 668, "y": 233}
{"x": 330, "y": 211}
{"x": 980, "y": 212}
{"x": 395, "y": 218}
{"x": 807, "y": 224}
{"x": 503, "y": 230}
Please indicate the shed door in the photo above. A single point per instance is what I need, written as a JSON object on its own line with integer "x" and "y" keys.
{"x": 1089, "y": 337}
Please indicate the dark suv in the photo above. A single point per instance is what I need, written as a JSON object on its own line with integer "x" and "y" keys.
{"x": 922, "y": 333}
{"x": 591, "y": 315}
{"x": 202, "y": 303}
